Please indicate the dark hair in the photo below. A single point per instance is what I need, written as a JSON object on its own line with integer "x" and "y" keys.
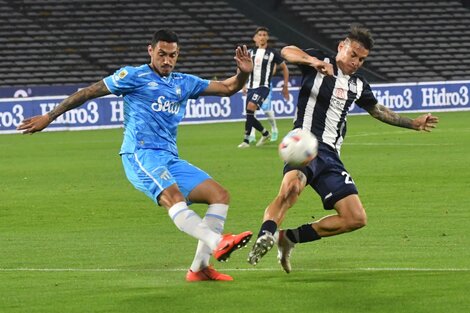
{"x": 164, "y": 35}
{"x": 362, "y": 35}
{"x": 261, "y": 29}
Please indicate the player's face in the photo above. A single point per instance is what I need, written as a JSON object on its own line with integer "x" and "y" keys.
{"x": 351, "y": 55}
{"x": 163, "y": 57}
{"x": 261, "y": 38}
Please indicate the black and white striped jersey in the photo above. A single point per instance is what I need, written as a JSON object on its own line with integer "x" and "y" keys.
{"x": 324, "y": 101}
{"x": 263, "y": 65}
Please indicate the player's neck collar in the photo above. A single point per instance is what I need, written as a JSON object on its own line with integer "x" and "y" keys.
{"x": 157, "y": 73}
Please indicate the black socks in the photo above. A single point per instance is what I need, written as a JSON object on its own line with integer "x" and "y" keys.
{"x": 267, "y": 226}
{"x": 304, "y": 233}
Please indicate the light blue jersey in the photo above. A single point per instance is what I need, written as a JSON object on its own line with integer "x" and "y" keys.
{"x": 153, "y": 108}
{"x": 153, "y": 105}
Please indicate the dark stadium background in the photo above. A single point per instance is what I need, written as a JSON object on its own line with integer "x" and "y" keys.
{"x": 70, "y": 42}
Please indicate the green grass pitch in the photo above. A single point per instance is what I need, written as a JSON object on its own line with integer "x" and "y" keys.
{"x": 75, "y": 236}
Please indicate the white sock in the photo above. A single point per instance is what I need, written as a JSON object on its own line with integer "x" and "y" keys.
{"x": 215, "y": 219}
{"x": 253, "y": 132}
{"x": 271, "y": 120}
{"x": 189, "y": 222}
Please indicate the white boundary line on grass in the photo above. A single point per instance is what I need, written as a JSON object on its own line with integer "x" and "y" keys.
{"x": 395, "y": 144}
{"x": 359, "y": 269}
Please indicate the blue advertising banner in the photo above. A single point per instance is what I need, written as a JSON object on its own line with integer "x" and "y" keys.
{"x": 422, "y": 97}
{"x": 108, "y": 112}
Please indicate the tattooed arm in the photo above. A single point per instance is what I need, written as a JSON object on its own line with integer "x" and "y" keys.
{"x": 39, "y": 122}
{"x": 424, "y": 122}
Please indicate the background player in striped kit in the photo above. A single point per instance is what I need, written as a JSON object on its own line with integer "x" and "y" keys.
{"x": 329, "y": 86}
{"x": 155, "y": 101}
{"x": 265, "y": 59}
{"x": 266, "y": 106}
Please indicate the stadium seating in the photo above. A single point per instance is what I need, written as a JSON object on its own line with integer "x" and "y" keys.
{"x": 80, "y": 41}
{"x": 415, "y": 40}
{"x": 71, "y": 41}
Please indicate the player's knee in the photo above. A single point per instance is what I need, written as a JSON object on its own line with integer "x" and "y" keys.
{"x": 170, "y": 197}
{"x": 360, "y": 222}
{"x": 292, "y": 192}
{"x": 357, "y": 220}
{"x": 251, "y": 106}
{"x": 222, "y": 196}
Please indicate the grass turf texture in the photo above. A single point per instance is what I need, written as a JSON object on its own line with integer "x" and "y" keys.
{"x": 76, "y": 237}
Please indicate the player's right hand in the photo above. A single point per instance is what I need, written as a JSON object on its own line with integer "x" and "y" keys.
{"x": 34, "y": 124}
{"x": 324, "y": 68}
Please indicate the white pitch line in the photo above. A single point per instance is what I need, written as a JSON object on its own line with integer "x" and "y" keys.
{"x": 394, "y": 144}
{"x": 378, "y": 133}
{"x": 359, "y": 269}
{"x": 406, "y": 132}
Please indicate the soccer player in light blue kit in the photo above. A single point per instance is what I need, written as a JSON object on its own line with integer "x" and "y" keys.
{"x": 155, "y": 100}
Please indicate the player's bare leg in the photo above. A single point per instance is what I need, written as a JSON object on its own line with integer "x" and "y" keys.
{"x": 350, "y": 216}
{"x": 292, "y": 185}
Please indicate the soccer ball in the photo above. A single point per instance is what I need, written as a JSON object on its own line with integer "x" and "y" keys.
{"x": 298, "y": 147}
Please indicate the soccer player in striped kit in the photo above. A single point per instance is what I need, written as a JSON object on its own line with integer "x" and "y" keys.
{"x": 265, "y": 59}
{"x": 329, "y": 86}
{"x": 155, "y": 101}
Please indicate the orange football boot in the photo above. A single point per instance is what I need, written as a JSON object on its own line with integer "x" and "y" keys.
{"x": 207, "y": 273}
{"x": 230, "y": 243}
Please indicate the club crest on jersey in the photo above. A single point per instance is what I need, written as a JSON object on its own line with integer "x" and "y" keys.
{"x": 178, "y": 91}
{"x": 340, "y": 93}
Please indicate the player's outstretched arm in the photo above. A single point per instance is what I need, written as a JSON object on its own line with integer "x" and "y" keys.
{"x": 425, "y": 122}
{"x": 39, "y": 122}
{"x": 296, "y": 55}
{"x": 233, "y": 84}
{"x": 285, "y": 75}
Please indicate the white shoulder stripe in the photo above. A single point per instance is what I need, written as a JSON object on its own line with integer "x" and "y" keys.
{"x": 312, "y": 101}
{"x": 360, "y": 88}
{"x": 144, "y": 74}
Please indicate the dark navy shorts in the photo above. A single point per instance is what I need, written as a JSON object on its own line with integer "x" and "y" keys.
{"x": 327, "y": 175}
{"x": 257, "y": 95}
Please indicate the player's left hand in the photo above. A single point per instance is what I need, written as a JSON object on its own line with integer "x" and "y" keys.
{"x": 425, "y": 122}
{"x": 243, "y": 58}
